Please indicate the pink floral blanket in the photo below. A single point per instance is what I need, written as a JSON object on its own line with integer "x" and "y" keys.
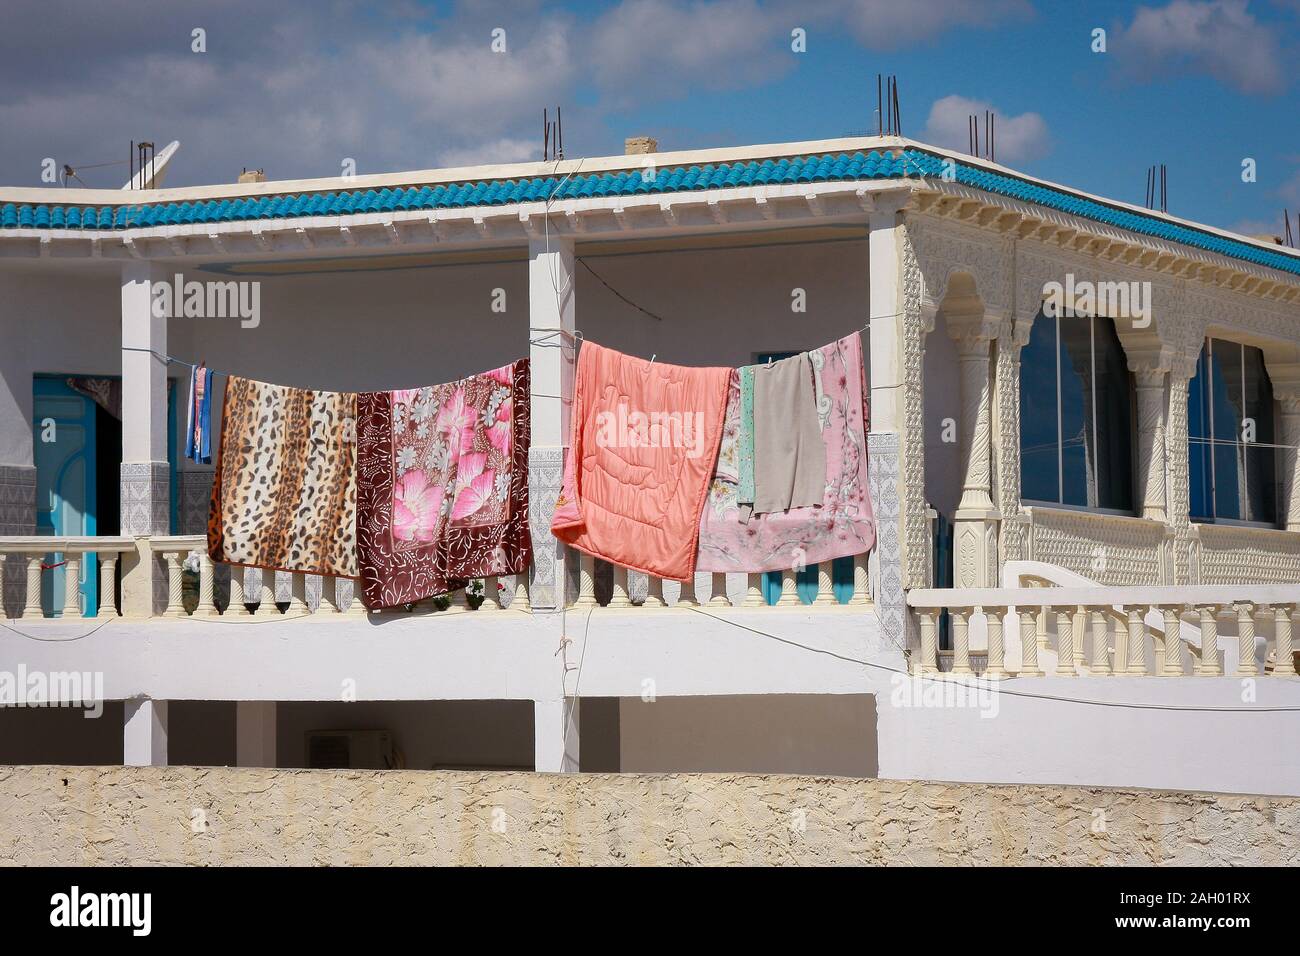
{"x": 843, "y": 524}
{"x": 442, "y": 485}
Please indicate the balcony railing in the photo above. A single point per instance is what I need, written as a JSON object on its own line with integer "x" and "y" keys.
{"x": 335, "y": 596}
{"x": 1108, "y": 631}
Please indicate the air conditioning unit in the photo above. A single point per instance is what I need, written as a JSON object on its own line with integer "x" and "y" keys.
{"x": 350, "y": 750}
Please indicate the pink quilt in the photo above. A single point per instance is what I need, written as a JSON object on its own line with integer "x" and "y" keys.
{"x": 644, "y": 443}
{"x": 843, "y": 525}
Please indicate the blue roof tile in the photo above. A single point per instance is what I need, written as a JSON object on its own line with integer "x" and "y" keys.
{"x": 839, "y": 167}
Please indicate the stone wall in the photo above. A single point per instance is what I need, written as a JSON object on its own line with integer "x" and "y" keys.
{"x": 179, "y": 815}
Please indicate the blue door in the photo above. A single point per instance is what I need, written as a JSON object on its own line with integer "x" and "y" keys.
{"x": 806, "y": 579}
{"x": 64, "y": 452}
{"x": 70, "y": 486}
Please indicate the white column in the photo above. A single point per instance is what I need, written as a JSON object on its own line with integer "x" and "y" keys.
{"x": 145, "y": 477}
{"x": 555, "y": 735}
{"x": 886, "y": 304}
{"x": 1290, "y": 403}
{"x": 255, "y": 733}
{"x": 144, "y": 739}
{"x": 1246, "y": 665}
{"x": 718, "y": 590}
{"x": 1151, "y": 404}
{"x": 1211, "y": 664}
{"x": 551, "y": 297}
{"x": 975, "y": 525}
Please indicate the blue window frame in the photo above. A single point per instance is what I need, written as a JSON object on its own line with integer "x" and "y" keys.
{"x": 1230, "y": 436}
{"x": 1076, "y": 415}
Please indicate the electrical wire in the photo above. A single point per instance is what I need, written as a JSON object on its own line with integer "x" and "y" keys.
{"x": 999, "y": 687}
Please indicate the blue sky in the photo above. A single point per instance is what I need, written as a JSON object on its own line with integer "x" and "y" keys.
{"x": 299, "y": 88}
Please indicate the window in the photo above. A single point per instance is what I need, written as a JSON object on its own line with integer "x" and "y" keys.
{"x": 1076, "y": 400}
{"x": 1230, "y": 435}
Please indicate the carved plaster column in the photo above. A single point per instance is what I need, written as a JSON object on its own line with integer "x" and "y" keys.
{"x": 1152, "y": 458}
{"x": 1013, "y": 531}
{"x": 1181, "y": 371}
{"x": 976, "y": 521}
{"x": 1285, "y": 377}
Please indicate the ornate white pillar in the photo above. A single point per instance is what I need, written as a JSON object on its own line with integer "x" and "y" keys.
{"x": 1152, "y": 460}
{"x": 1290, "y": 403}
{"x": 145, "y": 476}
{"x": 551, "y": 302}
{"x": 1178, "y": 503}
{"x": 975, "y": 524}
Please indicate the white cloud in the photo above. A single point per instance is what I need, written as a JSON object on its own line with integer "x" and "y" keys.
{"x": 894, "y": 24}
{"x": 1017, "y": 138}
{"x": 645, "y": 47}
{"x": 497, "y": 151}
{"x": 1218, "y": 37}
{"x": 1256, "y": 227}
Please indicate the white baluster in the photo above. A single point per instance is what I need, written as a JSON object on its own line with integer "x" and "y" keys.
{"x": 298, "y": 594}
{"x": 1078, "y": 633}
{"x": 521, "y": 601}
{"x": 586, "y": 582}
{"x": 1246, "y": 640}
{"x": 1135, "y": 662}
{"x": 789, "y": 589}
{"x": 352, "y": 588}
{"x": 1211, "y": 663}
{"x": 238, "y": 599}
{"x": 861, "y": 581}
{"x": 175, "y": 604}
{"x": 960, "y": 617}
{"x": 825, "y": 586}
{"x": 718, "y": 597}
{"x": 329, "y": 595}
{"x": 686, "y": 597}
{"x": 72, "y": 586}
{"x": 1064, "y": 644}
{"x": 754, "y": 591}
{"x": 33, "y": 606}
{"x": 654, "y": 592}
{"x": 1029, "y": 642}
{"x": 459, "y": 600}
{"x": 1283, "y": 653}
{"x": 491, "y": 594}
{"x": 207, "y": 606}
{"x": 620, "y": 597}
{"x": 1100, "y": 643}
{"x": 266, "y": 604}
{"x": 1120, "y": 665}
{"x": 1173, "y": 663}
{"x": 929, "y": 640}
{"x": 995, "y": 668}
{"x": 1040, "y": 628}
{"x": 107, "y": 585}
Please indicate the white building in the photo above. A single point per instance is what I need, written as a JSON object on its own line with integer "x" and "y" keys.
{"x": 1126, "y": 475}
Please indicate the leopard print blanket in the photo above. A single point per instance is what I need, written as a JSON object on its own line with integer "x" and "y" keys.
{"x": 284, "y": 495}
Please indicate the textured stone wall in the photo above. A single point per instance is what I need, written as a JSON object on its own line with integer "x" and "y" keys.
{"x": 182, "y": 815}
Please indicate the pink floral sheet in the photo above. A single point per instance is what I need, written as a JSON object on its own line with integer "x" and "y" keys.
{"x": 442, "y": 485}
{"x": 843, "y": 525}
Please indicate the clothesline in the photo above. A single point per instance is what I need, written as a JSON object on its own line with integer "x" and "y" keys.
{"x": 170, "y": 358}
{"x": 541, "y": 342}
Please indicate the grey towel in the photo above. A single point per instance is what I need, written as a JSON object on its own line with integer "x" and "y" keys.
{"x": 789, "y": 455}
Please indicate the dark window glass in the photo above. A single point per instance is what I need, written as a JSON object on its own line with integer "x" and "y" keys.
{"x": 1230, "y": 435}
{"x": 1076, "y": 415}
